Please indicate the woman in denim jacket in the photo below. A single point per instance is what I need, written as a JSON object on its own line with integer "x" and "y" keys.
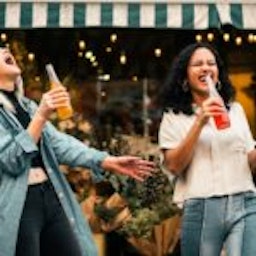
{"x": 39, "y": 215}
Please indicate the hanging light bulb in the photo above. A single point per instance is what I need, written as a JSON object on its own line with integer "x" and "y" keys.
{"x": 80, "y": 54}
{"x": 210, "y": 37}
{"x": 82, "y": 45}
{"x": 95, "y": 64}
{"x": 88, "y": 54}
{"x": 3, "y": 37}
{"x": 158, "y": 52}
{"x": 238, "y": 40}
{"x": 254, "y": 38}
{"x": 123, "y": 58}
{"x": 93, "y": 58}
{"x": 104, "y": 77}
{"x": 226, "y": 37}
{"x": 199, "y": 38}
{"x": 135, "y": 78}
{"x": 108, "y": 49}
{"x": 31, "y": 56}
{"x": 250, "y": 38}
{"x": 37, "y": 78}
{"x": 113, "y": 38}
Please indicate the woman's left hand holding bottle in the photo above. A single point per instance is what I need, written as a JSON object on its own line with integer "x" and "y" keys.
{"x": 53, "y": 99}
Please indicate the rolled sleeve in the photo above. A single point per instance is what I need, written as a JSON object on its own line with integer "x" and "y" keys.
{"x": 26, "y": 142}
{"x": 97, "y": 170}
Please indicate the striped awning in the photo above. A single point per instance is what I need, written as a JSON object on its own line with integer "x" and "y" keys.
{"x": 129, "y": 14}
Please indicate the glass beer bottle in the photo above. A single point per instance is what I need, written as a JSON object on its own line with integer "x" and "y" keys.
{"x": 62, "y": 112}
{"x": 222, "y": 120}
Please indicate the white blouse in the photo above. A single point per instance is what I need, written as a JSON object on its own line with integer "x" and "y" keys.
{"x": 220, "y": 162}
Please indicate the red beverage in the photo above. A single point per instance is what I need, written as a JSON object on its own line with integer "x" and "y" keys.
{"x": 222, "y": 121}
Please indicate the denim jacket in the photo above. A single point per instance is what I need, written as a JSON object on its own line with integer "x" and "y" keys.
{"x": 16, "y": 151}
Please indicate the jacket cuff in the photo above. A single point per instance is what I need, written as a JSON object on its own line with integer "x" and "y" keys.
{"x": 97, "y": 170}
{"x": 26, "y": 142}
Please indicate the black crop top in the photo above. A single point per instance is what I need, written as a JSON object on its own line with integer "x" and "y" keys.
{"x": 24, "y": 120}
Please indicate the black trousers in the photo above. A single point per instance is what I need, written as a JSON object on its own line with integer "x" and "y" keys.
{"x": 44, "y": 228}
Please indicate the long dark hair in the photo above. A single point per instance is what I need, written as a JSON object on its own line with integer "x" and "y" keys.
{"x": 172, "y": 96}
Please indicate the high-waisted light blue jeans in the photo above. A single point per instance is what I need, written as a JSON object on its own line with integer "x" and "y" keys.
{"x": 220, "y": 222}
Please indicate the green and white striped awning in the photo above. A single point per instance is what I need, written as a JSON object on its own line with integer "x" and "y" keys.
{"x": 130, "y": 14}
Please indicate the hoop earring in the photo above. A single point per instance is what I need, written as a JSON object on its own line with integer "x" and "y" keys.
{"x": 218, "y": 85}
{"x": 185, "y": 86}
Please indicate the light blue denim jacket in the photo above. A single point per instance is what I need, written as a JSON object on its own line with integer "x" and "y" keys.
{"x": 16, "y": 151}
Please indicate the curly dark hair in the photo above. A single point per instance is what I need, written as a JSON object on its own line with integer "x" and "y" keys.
{"x": 172, "y": 96}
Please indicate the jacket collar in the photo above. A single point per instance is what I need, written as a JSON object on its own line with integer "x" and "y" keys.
{"x": 19, "y": 93}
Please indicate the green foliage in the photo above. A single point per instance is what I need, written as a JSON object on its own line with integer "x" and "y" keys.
{"x": 149, "y": 202}
{"x": 105, "y": 213}
{"x": 141, "y": 224}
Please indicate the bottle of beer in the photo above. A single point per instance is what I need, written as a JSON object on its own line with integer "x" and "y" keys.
{"x": 63, "y": 112}
{"x": 222, "y": 121}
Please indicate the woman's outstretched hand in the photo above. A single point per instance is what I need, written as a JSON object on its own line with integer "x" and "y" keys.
{"x": 131, "y": 166}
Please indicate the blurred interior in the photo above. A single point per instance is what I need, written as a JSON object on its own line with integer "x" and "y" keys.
{"x": 114, "y": 74}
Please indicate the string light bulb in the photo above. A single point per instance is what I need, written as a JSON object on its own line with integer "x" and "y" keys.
{"x": 93, "y": 58}
{"x": 123, "y": 59}
{"x": 108, "y": 49}
{"x": 210, "y": 37}
{"x": 226, "y": 37}
{"x": 250, "y": 38}
{"x": 254, "y": 38}
{"x": 31, "y": 56}
{"x": 37, "y": 78}
{"x": 104, "y": 77}
{"x": 158, "y": 52}
{"x": 238, "y": 40}
{"x": 113, "y": 38}
{"x": 80, "y": 54}
{"x": 88, "y": 54}
{"x": 199, "y": 38}
{"x": 95, "y": 64}
{"x": 135, "y": 78}
{"x": 82, "y": 45}
{"x": 3, "y": 37}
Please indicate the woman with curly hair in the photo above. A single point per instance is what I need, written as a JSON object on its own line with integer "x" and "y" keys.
{"x": 212, "y": 167}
